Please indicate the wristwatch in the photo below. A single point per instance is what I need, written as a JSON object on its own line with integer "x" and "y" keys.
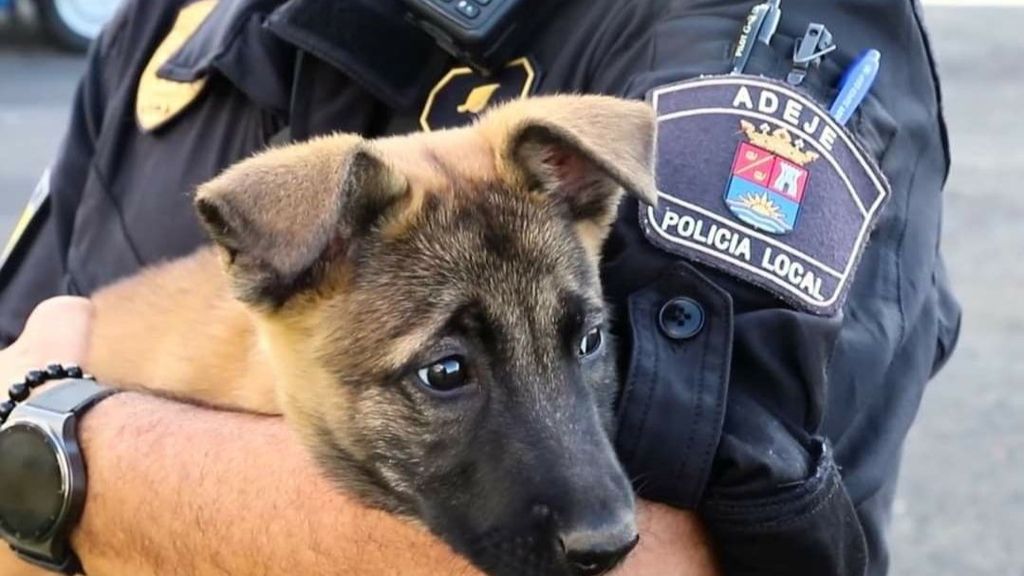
{"x": 42, "y": 476}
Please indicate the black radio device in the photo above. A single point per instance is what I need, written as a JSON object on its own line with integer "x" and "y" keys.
{"x": 483, "y": 33}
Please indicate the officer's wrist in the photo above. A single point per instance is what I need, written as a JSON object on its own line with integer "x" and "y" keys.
{"x": 105, "y": 456}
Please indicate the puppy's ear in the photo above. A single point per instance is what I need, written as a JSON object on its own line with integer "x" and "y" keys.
{"x": 282, "y": 215}
{"x": 583, "y": 150}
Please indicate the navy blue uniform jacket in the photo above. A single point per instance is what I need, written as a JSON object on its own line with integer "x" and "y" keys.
{"x": 782, "y": 428}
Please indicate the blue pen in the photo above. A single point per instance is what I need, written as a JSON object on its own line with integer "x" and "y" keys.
{"x": 854, "y": 86}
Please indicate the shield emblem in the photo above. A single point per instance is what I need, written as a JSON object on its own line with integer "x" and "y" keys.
{"x": 765, "y": 189}
{"x": 757, "y": 180}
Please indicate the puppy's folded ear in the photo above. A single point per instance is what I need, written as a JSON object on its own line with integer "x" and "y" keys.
{"x": 583, "y": 150}
{"x": 282, "y": 215}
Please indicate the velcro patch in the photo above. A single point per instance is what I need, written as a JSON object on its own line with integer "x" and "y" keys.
{"x": 756, "y": 179}
{"x": 464, "y": 93}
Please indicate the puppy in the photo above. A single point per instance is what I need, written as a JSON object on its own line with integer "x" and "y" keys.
{"x": 426, "y": 312}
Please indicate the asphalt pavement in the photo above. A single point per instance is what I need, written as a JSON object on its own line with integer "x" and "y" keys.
{"x": 960, "y": 507}
{"x": 37, "y": 84}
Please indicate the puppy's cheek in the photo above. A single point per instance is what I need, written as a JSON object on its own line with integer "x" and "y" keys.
{"x": 315, "y": 413}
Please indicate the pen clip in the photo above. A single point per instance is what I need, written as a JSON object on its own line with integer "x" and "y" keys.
{"x": 817, "y": 42}
{"x": 809, "y": 50}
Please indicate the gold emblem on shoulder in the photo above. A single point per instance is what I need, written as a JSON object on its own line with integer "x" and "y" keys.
{"x": 157, "y": 99}
{"x": 463, "y": 93}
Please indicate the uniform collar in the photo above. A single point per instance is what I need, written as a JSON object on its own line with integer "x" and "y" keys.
{"x": 234, "y": 41}
{"x": 368, "y": 40}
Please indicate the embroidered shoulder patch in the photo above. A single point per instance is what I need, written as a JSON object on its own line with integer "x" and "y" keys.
{"x": 756, "y": 179}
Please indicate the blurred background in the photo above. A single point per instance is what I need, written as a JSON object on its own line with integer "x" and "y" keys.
{"x": 960, "y": 508}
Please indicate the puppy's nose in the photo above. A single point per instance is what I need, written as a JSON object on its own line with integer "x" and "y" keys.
{"x": 591, "y": 552}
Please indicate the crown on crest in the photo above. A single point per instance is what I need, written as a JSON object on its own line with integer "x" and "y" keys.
{"x": 779, "y": 142}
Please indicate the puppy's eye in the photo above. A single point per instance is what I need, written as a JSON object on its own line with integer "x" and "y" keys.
{"x": 591, "y": 342}
{"x": 445, "y": 375}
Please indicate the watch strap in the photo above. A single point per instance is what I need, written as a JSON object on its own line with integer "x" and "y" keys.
{"x": 71, "y": 396}
{"x": 69, "y": 565}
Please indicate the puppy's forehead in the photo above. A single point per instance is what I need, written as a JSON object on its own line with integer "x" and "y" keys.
{"x": 442, "y": 162}
{"x": 498, "y": 254}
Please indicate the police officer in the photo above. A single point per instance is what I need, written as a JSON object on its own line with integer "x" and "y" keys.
{"x": 783, "y": 306}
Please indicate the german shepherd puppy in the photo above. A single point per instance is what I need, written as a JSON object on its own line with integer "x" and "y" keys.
{"x": 426, "y": 312}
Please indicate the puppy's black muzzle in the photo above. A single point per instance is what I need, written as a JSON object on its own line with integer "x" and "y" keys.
{"x": 591, "y": 552}
{"x": 550, "y": 497}
{"x": 552, "y": 545}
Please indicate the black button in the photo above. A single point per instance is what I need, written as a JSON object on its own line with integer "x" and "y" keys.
{"x": 468, "y": 10}
{"x": 482, "y": 2}
{"x": 681, "y": 318}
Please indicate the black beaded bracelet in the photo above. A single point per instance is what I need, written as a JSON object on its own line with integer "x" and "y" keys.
{"x": 19, "y": 391}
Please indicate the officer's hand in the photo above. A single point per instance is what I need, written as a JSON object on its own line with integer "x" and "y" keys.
{"x": 672, "y": 543}
{"x": 57, "y": 331}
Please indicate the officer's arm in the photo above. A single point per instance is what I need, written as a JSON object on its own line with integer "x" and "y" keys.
{"x": 741, "y": 444}
{"x": 225, "y": 493}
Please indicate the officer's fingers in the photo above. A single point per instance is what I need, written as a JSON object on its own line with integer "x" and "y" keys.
{"x": 60, "y": 324}
{"x": 57, "y": 331}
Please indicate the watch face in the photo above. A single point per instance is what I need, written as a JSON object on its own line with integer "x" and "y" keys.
{"x": 31, "y": 483}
